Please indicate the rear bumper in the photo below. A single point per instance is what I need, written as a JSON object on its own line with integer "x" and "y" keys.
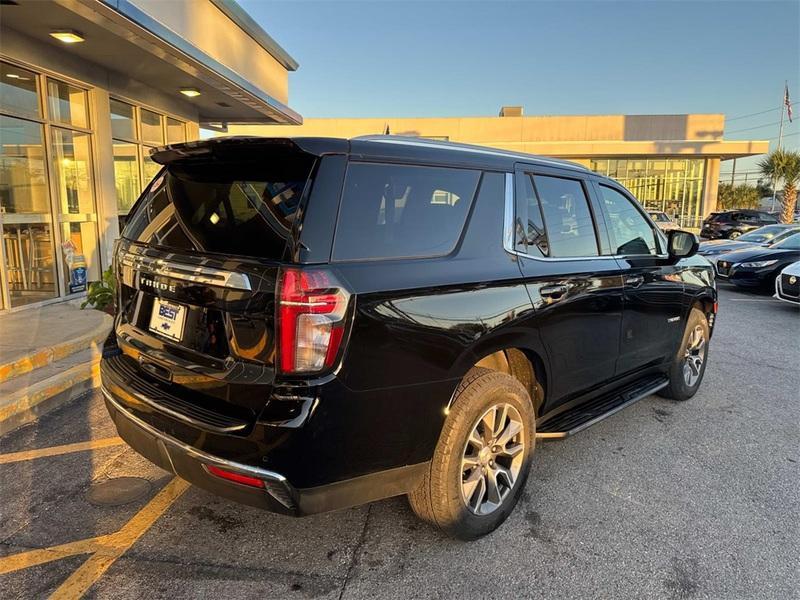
{"x": 712, "y": 234}
{"x": 187, "y": 450}
{"x": 278, "y": 495}
{"x": 191, "y": 464}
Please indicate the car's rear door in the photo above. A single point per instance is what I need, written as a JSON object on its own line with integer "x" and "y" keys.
{"x": 652, "y": 321}
{"x": 576, "y": 290}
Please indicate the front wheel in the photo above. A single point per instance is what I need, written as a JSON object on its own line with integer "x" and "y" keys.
{"x": 481, "y": 461}
{"x": 689, "y": 364}
{"x": 734, "y": 234}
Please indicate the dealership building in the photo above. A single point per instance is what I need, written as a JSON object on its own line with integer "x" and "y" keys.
{"x": 670, "y": 162}
{"x": 87, "y": 88}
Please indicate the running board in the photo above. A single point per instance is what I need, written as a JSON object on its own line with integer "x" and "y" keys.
{"x": 585, "y": 415}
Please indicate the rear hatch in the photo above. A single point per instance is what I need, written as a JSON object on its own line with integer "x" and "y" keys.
{"x": 197, "y": 265}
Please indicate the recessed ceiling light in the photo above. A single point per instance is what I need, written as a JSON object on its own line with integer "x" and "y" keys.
{"x": 68, "y": 36}
{"x": 191, "y": 92}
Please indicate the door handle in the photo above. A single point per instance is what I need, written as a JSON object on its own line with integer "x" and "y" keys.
{"x": 634, "y": 280}
{"x": 553, "y": 293}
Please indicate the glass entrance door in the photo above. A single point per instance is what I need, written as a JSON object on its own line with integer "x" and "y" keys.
{"x": 28, "y": 263}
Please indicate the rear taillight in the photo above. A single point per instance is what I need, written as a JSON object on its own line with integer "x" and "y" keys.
{"x": 311, "y": 312}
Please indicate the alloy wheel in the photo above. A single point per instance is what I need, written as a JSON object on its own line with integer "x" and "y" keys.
{"x": 694, "y": 356}
{"x": 492, "y": 459}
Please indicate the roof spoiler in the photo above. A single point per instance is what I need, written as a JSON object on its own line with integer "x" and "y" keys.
{"x": 222, "y": 148}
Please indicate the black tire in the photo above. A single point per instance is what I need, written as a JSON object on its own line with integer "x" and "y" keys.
{"x": 679, "y": 388}
{"x": 438, "y": 499}
{"x": 734, "y": 234}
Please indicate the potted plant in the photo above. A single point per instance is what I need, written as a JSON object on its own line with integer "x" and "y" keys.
{"x": 101, "y": 293}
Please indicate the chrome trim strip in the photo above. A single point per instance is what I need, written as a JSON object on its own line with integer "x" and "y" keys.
{"x": 508, "y": 216}
{"x": 192, "y": 451}
{"x": 184, "y": 272}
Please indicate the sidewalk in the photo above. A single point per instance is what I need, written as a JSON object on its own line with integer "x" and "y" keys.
{"x": 47, "y": 356}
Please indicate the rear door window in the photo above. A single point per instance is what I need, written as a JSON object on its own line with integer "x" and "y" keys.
{"x": 564, "y": 215}
{"x": 395, "y": 211}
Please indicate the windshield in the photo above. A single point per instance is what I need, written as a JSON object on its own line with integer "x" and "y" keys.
{"x": 785, "y": 234}
{"x": 790, "y": 243}
{"x": 762, "y": 234}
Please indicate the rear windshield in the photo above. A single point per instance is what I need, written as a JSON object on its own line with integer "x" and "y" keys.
{"x": 232, "y": 209}
{"x": 393, "y": 211}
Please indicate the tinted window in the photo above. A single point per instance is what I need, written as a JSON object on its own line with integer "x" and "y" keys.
{"x": 530, "y": 234}
{"x": 762, "y": 234}
{"x": 392, "y": 211}
{"x": 241, "y": 209}
{"x": 630, "y": 232}
{"x": 567, "y": 218}
{"x": 790, "y": 243}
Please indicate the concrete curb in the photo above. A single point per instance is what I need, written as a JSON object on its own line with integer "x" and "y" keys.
{"x": 35, "y": 400}
{"x": 44, "y": 356}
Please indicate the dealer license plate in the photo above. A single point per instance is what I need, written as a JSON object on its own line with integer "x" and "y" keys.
{"x": 167, "y": 319}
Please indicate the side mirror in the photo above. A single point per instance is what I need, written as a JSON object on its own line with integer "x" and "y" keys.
{"x": 681, "y": 244}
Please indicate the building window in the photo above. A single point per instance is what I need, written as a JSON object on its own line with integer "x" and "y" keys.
{"x": 136, "y": 131}
{"x": 48, "y": 215}
{"x": 672, "y": 185}
{"x": 18, "y": 93}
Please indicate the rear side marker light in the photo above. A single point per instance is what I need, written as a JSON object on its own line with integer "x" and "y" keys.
{"x": 236, "y": 477}
{"x": 311, "y": 313}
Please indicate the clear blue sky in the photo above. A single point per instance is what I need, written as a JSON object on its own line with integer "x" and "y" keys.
{"x": 396, "y": 59}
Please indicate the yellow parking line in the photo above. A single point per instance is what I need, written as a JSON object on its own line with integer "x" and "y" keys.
{"x": 89, "y": 572}
{"x": 58, "y": 450}
{"x": 24, "y": 560}
{"x": 104, "y": 549}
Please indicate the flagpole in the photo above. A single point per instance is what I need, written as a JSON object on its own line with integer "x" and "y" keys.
{"x": 780, "y": 143}
{"x": 783, "y": 110}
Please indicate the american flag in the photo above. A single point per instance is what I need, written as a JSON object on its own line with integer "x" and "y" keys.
{"x": 787, "y": 103}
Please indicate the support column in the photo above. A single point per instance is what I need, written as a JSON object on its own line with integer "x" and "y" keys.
{"x": 107, "y": 222}
{"x": 710, "y": 187}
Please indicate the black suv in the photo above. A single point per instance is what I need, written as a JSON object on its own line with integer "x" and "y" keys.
{"x": 308, "y": 324}
{"x": 733, "y": 223}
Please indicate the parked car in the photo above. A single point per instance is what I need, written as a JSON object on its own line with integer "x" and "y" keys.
{"x": 787, "y": 284}
{"x": 758, "y": 267}
{"x": 733, "y": 223}
{"x": 763, "y": 236}
{"x": 308, "y": 324}
{"x": 662, "y": 220}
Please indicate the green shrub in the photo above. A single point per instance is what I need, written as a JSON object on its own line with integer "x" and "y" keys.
{"x": 101, "y": 293}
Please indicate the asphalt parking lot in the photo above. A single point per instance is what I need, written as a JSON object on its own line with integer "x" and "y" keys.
{"x": 664, "y": 500}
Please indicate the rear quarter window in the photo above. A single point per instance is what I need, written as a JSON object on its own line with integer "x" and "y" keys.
{"x": 402, "y": 211}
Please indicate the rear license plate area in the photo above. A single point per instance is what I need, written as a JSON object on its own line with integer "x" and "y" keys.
{"x": 167, "y": 319}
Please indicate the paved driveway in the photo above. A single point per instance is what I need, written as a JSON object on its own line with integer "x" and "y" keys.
{"x": 664, "y": 500}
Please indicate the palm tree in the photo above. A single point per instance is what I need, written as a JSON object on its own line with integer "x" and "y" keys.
{"x": 785, "y": 166}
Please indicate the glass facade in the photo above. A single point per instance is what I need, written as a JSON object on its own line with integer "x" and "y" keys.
{"x": 48, "y": 213}
{"x": 673, "y": 185}
{"x": 136, "y": 131}
{"x": 49, "y": 224}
